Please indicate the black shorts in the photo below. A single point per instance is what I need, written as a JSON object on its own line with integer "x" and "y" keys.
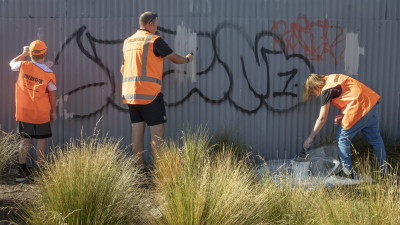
{"x": 30, "y": 130}
{"x": 152, "y": 114}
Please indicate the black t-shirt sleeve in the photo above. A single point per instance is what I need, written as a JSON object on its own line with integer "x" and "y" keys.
{"x": 325, "y": 97}
{"x": 329, "y": 94}
{"x": 161, "y": 48}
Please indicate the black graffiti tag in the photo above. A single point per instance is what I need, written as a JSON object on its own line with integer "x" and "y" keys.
{"x": 268, "y": 70}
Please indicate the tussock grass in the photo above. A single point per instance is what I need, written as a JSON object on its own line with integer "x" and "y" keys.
{"x": 372, "y": 202}
{"x": 9, "y": 147}
{"x": 92, "y": 181}
{"x": 369, "y": 203}
{"x": 89, "y": 181}
{"x": 226, "y": 140}
{"x": 196, "y": 187}
{"x": 192, "y": 188}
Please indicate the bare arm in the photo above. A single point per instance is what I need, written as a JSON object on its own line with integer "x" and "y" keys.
{"x": 323, "y": 115}
{"x": 24, "y": 54}
{"x": 177, "y": 59}
{"x": 53, "y": 97}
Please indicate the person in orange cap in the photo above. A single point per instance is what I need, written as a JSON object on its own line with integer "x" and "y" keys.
{"x": 359, "y": 112}
{"x": 35, "y": 101}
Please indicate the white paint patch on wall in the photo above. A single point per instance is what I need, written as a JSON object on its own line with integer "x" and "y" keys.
{"x": 60, "y": 104}
{"x": 398, "y": 103}
{"x": 40, "y": 34}
{"x": 49, "y": 63}
{"x": 186, "y": 42}
{"x": 352, "y": 54}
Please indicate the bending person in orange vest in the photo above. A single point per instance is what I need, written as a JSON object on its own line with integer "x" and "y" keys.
{"x": 142, "y": 70}
{"x": 35, "y": 101}
{"x": 358, "y": 105}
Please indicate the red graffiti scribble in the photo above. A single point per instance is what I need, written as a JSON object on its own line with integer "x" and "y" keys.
{"x": 314, "y": 39}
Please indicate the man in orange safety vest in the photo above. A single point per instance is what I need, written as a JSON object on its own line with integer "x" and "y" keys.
{"x": 142, "y": 69}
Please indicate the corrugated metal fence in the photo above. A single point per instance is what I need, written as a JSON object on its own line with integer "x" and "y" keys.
{"x": 251, "y": 60}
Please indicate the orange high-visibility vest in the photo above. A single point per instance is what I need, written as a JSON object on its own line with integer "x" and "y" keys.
{"x": 31, "y": 96}
{"x": 142, "y": 78}
{"x": 355, "y": 101}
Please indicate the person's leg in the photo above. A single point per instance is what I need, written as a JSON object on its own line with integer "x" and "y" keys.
{"x": 23, "y": 172}
{"x": 373, "y": 136}
{"x": 42, "y": 132}
{"x": 155, "y": 117}
{"x": 344, "y": 137}
{"x": 137, "y": 142}
{"x": 40, "y": 151}
{"x": 344, "y": 150}
{"x": 23, "y": 152}
{"x": 137, "y": 136}
{"x": 26, "y": 131}
{"x": 157, "y": 137}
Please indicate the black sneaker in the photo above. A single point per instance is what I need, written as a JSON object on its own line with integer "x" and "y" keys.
{"x": 345, "y": 175}
{"x": 23, "y": 173}
{"x": 36, "y": 172}
{"x": 21, "y": 177}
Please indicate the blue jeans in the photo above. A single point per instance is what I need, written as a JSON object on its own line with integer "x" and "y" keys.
{"x": 369, "y": 126}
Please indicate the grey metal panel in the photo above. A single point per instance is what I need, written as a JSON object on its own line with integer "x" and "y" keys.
{"x": 392, "y": 10}
{"x": 243, "y": 49}
{"x": 32, "y": 9}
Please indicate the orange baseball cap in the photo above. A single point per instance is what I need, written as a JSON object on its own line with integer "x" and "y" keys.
{"x": 37, "y": 47}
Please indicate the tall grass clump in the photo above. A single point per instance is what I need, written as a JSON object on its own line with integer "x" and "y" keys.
{"x": 368, "y": 203}
{"x": 9, "y": 146}
{"x": 365, "y": 204}
{"x": 90, "y": 181}
{"x": 226, "y": 140}
{"x": 291, "y": 202}
{"x": 195, "y": 188}
{"x": 372, "y": 202}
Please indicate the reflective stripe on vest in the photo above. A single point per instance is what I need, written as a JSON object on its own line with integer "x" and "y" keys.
{"x": 143, "y": 70}
{"x": 142, "y": 78}
{"x": 139, "y": 96}
{"x": 145, "y": 53}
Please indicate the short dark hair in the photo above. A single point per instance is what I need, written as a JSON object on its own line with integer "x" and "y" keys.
{"x": 147, "y": 18}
